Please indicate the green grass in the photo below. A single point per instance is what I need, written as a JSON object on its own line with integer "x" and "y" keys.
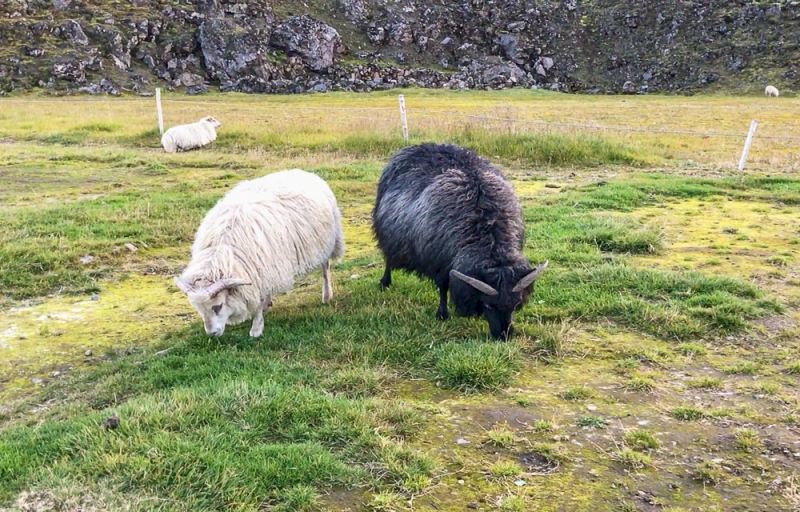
{"x": 577, "y": 393}
{"x": 505, "y": 469}
{"x": 705, "y": 383}
{"x": 641, "y": 440}
{"x": 633, "y": 459}
{"x": 361, "y": 400}
{"x": 477, "y": 366}
{"x": 687, "y": 413}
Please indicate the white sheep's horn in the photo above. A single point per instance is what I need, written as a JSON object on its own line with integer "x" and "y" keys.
{"x": 223, "y": 284}
{"x": 184, "y": 286}
{"x": 527, "y": 280}
{"x": 475, "y": 283}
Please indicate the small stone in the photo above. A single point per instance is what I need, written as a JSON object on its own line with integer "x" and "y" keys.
{"x": 37, "y": 381}
{"x": 95, "y": 296}
{"x": 55, "y": 374}
{"x": 87, "y": 353}
{"x": 591, "y": 407}
{"x": 519, "y": 483}
{"x": 111, "y": 422}
{"x": 461, "y": 482}
{"x": 355, "y": 276}
{"x": 551, "y": 185}
{"x": 131, "y": 247}
{"x": 86, "y": 259}
{"x": 717, "y": 461}
{"x": 642, "y": 423}
{"x": 461, "y": 441}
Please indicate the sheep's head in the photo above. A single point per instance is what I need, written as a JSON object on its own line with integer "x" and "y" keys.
{"x": 213, "y": 122}
{"x": 213, "y": 301}
{"x": 500, "y": 293}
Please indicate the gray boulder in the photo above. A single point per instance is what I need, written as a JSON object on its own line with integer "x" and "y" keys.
{"x": 313, "y": 41}
{"x": 231, "y": 51}
{"x": 71, "y": 31}
{"x": 71, "y": 69}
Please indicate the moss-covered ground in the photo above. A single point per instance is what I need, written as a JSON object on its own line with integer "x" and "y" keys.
{"x": 656, "y": 366}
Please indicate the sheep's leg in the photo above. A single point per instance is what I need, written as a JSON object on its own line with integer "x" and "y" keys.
{"x": 442, "y": 313}
{"x": 386, "y": 280}
{"x": 258, "y": 321}
{"x": 327, "y": 287}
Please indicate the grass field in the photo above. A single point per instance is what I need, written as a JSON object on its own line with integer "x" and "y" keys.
{"x": 656, "y": 365}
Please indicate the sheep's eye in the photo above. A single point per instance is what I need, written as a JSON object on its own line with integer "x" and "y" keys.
{"x": 216, "y": 309}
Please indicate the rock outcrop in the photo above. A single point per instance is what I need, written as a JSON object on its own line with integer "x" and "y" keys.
{"x": 361, "y": 45}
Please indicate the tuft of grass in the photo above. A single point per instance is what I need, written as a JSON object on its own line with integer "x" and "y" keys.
{"x": 743, "y": 368}
{"x": 748, "y": 440}
{"x": 542, "y": 426}
{"x": 357, "y": 382}
{"x": 619, "y": 235}
{"x": 627, "y": 366}
{"x": 641, "y": 440}
{"x": 591, "y": 422}
{"x": 687, "y": 413}
{"x": 691, "y": 349}
{"x": 793, "y": 368}
{"x": 641, "y": 382}
{"x": 385, "y": 501}
{"x": 633, "y": 459}
{"x": 552, "y": 453}
{"x": 577, "y": 393}
{"x": 300, "y": 498}
{"x": 501, "y": 436}
{"x": 549, "y": 339}
{"x": 705, "y": 383}
{"x": 477, "y": 366}
{"x": 512, "y": 503}
{"x": 505, "y": 469}
{"x": 709, "y": 473}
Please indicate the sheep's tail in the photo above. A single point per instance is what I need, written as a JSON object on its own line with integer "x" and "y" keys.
{"x": 169, "y": 143}
{"x": 338, "y": 248}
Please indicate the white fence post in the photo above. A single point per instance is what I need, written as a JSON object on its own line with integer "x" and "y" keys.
{"x": 747, "y": 143}
{"x": 158, "y": 108}
{"x": 403, "y": 117}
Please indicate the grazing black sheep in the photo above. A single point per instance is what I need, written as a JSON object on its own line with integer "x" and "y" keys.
{"x": 445, "y": 213}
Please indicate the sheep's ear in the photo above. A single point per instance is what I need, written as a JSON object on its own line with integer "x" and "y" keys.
{"x": 527, "y": 280}
{"x": 475, "y": 283}
{"x": 184, "y": 286}
{"x": 224, "y": 284}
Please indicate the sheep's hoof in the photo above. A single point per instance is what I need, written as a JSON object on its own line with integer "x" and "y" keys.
{"x": 442, "y": 314}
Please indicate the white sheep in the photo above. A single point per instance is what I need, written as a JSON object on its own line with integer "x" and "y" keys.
{"x": 189, "y": 136}
{"x": 771, "y": 91}
{"x": 254, "y": 241}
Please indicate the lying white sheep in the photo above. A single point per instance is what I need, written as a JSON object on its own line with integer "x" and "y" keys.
{"x": 771, "y": 91}
{"x": 189, "y": 136}
{"x": 254, "y": 241}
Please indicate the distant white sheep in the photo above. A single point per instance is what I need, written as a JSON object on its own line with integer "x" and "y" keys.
{"x": 189, "y": 136}
{"x": 254, "y": 241}
{"x": 771, "y": 91}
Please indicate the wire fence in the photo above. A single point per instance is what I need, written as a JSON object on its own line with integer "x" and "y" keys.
{"x": 775, "y": 143}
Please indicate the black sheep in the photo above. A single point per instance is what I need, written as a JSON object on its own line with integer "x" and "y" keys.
{"x": 445, "y": 213}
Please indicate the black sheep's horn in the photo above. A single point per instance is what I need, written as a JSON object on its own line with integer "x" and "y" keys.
{"x": 527, "y": 280}
{"x": 475, "y": 283}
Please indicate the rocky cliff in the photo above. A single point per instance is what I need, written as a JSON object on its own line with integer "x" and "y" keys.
{"x": 294, "y": 46}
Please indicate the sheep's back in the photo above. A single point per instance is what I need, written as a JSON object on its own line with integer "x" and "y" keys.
{"x": 283, "y": 224}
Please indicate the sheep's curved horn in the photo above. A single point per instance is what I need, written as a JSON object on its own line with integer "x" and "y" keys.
{"x": 527, "y": 280}
{"x": 223, "y": 284}
{"x": 184, "y": 286}
{"x": 475, "y": 283}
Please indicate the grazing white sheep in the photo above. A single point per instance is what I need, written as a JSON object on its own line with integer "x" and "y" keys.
{"x": 254, "y": 241}
{"x": 771, "y": 91}
{"x": 189, "y": 136}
